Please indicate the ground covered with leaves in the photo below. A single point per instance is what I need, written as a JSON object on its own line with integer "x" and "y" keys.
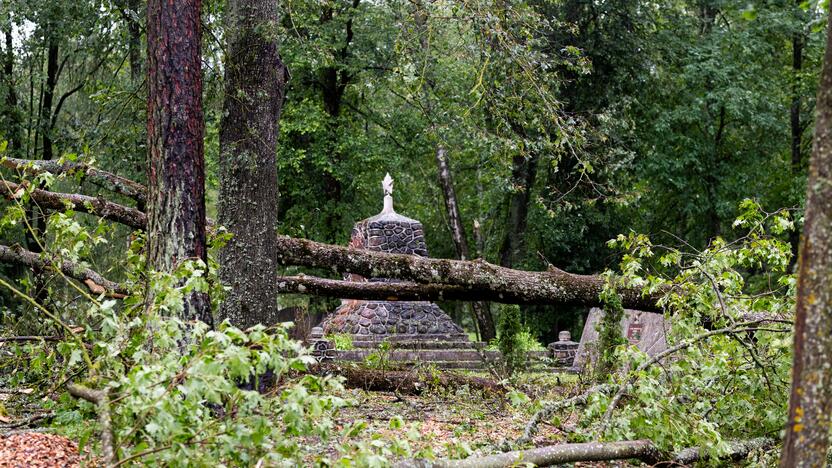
{"x": 454, "y": 422}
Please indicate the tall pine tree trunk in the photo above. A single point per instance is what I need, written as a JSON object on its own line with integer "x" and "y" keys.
{"x": 810, "y": 406}
{"x": 255, "y": 79}
{"x": 482, "y": 314}
{"x": 175, "y": 129}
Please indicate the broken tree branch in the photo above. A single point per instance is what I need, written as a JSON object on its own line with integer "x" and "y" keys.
{"x": 96, "y": 206}
{"x": 102, "y": 401}
{"x": 23, "y": 339}
{"x": 441, "y": 278}
{"x": 107, "y": 180}
{"x": 382, "y": 291}
{"x": 96, "y": 283}
{"x": 739, "y": 449}
{"x": 643, "y": 450}
{"x": 479, "y": 278}
{"x": 622, "y": 389}
{"x": 409, "y": 382}
{"x": 549, "y": 409}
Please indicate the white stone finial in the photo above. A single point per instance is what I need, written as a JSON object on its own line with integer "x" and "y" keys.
{"x": 387, "y": 185}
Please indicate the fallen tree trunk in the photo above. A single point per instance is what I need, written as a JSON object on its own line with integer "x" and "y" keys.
{"x": 409, "y": 382}
{"x": 107, "y": 180}
{"x": 92, "y": 205}
{"x": 738, "y": 450}
{"x": 643, "y": 450}
{"x": 382, "y": 291}
{"x": 479, "y": 279}
{"x": 96, "y": 283}
{"x": 440, "y": 278}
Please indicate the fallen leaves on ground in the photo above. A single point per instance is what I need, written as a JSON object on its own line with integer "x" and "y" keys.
{"x": 38, "y": 450}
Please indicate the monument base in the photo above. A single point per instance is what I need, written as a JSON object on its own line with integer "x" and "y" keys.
{"x": 399, "y": 321}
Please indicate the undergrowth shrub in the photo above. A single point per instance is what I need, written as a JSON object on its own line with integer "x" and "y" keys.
{"x": 723, "y": 387}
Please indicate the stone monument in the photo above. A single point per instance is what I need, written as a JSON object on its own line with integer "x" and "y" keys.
{"x": 396, "y": 321}
{"x": 645, "y": 330}
{"x": 564, "y": 350}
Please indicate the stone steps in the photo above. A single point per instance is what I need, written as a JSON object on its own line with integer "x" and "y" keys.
{"x": 442, "y": 358}
{"x": 421, "y": 344}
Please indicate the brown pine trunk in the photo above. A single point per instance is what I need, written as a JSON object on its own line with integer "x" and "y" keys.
{"x": 810, "y": 405}
{"x": 255, "y": 79}
{"x": 451, "y": 205}
{"x": 485, "y": 323}
{"x": 175, "y": 128}
{"x": 11, "y": 115}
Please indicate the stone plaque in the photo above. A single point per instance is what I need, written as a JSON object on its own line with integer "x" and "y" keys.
{"x": 646, "y": 330}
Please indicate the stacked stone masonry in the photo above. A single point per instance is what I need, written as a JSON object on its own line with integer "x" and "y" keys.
{"x": 392, "y": 233}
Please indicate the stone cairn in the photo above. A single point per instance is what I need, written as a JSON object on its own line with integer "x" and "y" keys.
{"x": 369, "y": 322}
{"x": 417, "y": 331}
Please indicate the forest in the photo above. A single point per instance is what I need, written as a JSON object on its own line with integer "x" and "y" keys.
{"x": 415, "y": 233}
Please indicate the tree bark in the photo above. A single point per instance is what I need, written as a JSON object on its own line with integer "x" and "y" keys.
{"x": 255, "y": 79}
{"x": 37, "y": 219}
{"x": 485, "y": 323}
{"x": 175, "y": 130}
{"x": 436, "y": 279}
{"x": 478, "y": 277}
{"x": 333, "y": 82}
{"x": 399, "y": 291}
{"x": 49, "y": 94}
{"x": 102, "y": 401}
{"x": 410, "y": 291}
{"x": 810, "y": 404}
{"x": 643, "y": 450}
{"x": 451, "y": 205}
